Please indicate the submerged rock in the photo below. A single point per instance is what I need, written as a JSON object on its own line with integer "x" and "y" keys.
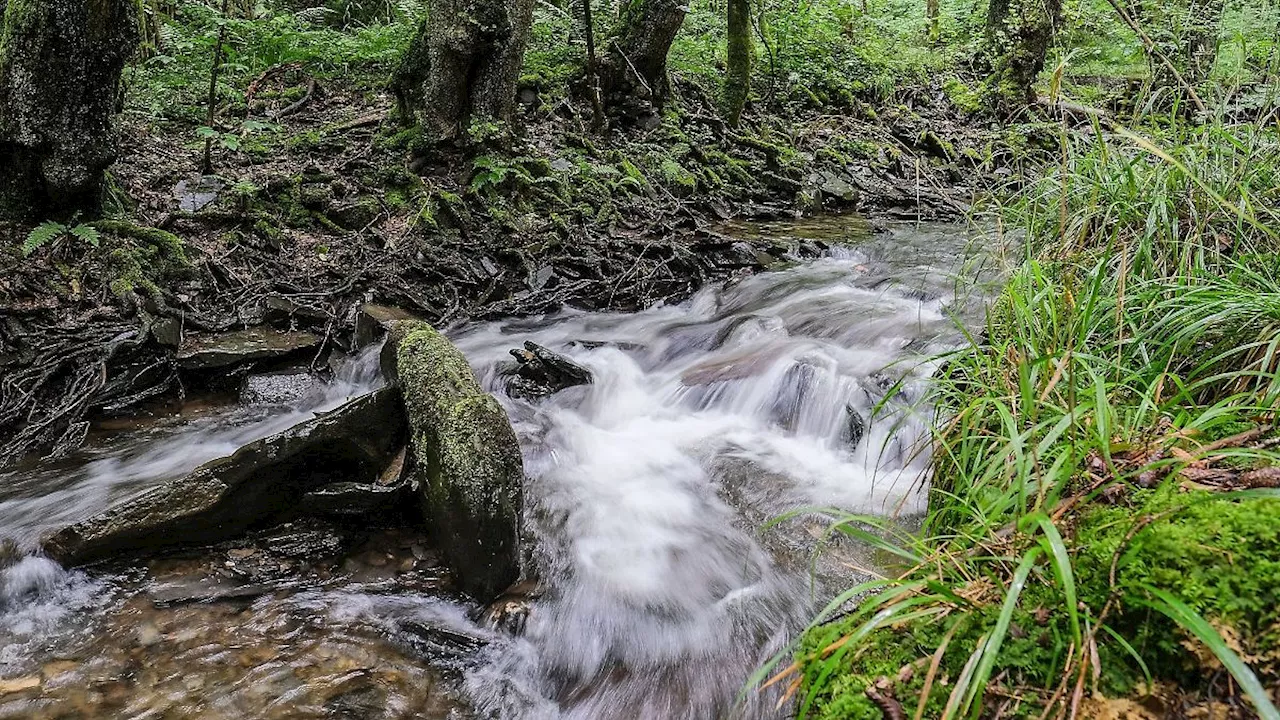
{"x": 262, "y": 482}
{"x": 10, "y": 553}
{"x": 540, "y": 372}
{"x": 286, "y": 387}
{"x": 855, "y": 428}
{"x": 792, "y": 394}
{"x": 468, "y": 465}
{"x": 258, "y": 343}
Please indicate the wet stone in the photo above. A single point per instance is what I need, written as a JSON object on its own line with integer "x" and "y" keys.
{"x": 260, "y": 482}
{"x": 540, "y": 372}
{"x": 10, "y": 553}
{"x": 836, "y": 186}
{"x": 218, "y": 351}
{"x": 167, "y": 332}
{"x": 375, "y": 320}
{"x": 350, "y": 500}
{"x": 283, "y": 310}
{"x": 286, "y": 387}
{"x": 356, "y": 214}
{"x": 468, "y": 467}
{"x": 855, "y": 427}
{"x": 195, "y": 195}
{"x": 793, "y": 392}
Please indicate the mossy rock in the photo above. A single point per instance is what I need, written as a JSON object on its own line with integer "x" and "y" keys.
{"x": 468, "y": 461}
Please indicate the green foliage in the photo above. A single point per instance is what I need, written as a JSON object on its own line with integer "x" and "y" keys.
{"x": 49, "y": 232}
{"x": 1203, "y": 533}
{"x": 172, "y": 81}
{"x": 1145, "y": 316}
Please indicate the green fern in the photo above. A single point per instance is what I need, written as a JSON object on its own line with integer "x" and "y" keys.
{"x": 87, "y": 233}
{"x": 44, "y": 234}
{"x": 47, "y": 232}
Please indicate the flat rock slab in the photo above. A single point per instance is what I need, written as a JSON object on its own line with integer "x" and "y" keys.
{"x": 375, "y": 320}
{"x": 262, "y": 483}
{"x": 260, "y": 343}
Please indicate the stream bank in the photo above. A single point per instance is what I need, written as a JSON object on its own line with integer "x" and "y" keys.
{"x": 741, "y": 403}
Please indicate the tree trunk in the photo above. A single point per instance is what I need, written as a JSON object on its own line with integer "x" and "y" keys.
{"x": 60, "y": 64}
{"x": 634, "y": 71}
{"x": 463, "y": 65}
{"x": 1203, "y": 28}
{"x": 1186, "y": 33}
{"x": 741, "y": 53}
{"x": 934, "y": 14}
{"x": 1019, "y": 35}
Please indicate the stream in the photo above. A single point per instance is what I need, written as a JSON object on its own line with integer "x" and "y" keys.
{"x": 651, "y": 500}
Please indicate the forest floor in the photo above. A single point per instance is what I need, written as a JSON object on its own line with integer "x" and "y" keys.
{"x": 316, "y": 206}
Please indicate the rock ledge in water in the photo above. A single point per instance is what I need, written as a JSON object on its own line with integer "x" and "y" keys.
{"x": 258, "y": 343}
{"x": 261, "y": 482}
{"x": 468, "y": 465}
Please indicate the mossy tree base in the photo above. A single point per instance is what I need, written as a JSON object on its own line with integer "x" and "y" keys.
{"x": 1019, "y": 34}
{"x": 462, "y": 66}
{"x": 60, "y": 64}
{"x": 633, "y": 75}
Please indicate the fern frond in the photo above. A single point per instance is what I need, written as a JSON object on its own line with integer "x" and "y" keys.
{"x": 87, "y": 233}
{"x": 44, "y": 234}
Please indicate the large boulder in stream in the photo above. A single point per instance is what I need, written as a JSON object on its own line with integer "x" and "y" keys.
{"x": 262, "y": 483}
{"x": 468, "y": 462}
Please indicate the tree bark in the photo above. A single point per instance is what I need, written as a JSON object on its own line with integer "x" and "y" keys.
{"x": 741, "y": 54}
{"x": 634, "y": 72}
{"x": 1019, "y": 35}
{"x": 1186, "y": 33}
{"x": 463, "y": 65}
{"x": 60, "y": 65}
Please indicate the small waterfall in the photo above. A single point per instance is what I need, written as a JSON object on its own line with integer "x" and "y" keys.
{"x": 649, "y": 489}
{"x": 652, "y": 496}
{"x": 53, "y": 495}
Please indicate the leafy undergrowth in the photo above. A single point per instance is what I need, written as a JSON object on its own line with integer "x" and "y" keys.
{"x": 1161, "y": 554}
{"x": 1102, "y": 539}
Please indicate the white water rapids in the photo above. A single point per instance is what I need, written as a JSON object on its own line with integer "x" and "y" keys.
{"x": 649, "y": 490}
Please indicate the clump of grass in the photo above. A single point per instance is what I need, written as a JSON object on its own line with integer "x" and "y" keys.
{"x": 1090, "y": 476}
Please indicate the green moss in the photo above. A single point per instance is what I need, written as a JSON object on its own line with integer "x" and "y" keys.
{"x": 962, "y": 96}
{"x": 1218, "y": 554}
{"x": 148, "y": 258}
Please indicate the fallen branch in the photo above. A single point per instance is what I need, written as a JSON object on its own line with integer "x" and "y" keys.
{"x": 301, "y": 103}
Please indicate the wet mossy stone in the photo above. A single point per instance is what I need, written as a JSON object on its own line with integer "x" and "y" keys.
{"x": 468, "y": 464}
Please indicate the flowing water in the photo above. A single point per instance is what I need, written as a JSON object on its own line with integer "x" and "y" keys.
{"x": 664, "y": 583}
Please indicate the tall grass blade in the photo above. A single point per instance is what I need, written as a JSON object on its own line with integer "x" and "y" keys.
{"x": 1191, "y": 621}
